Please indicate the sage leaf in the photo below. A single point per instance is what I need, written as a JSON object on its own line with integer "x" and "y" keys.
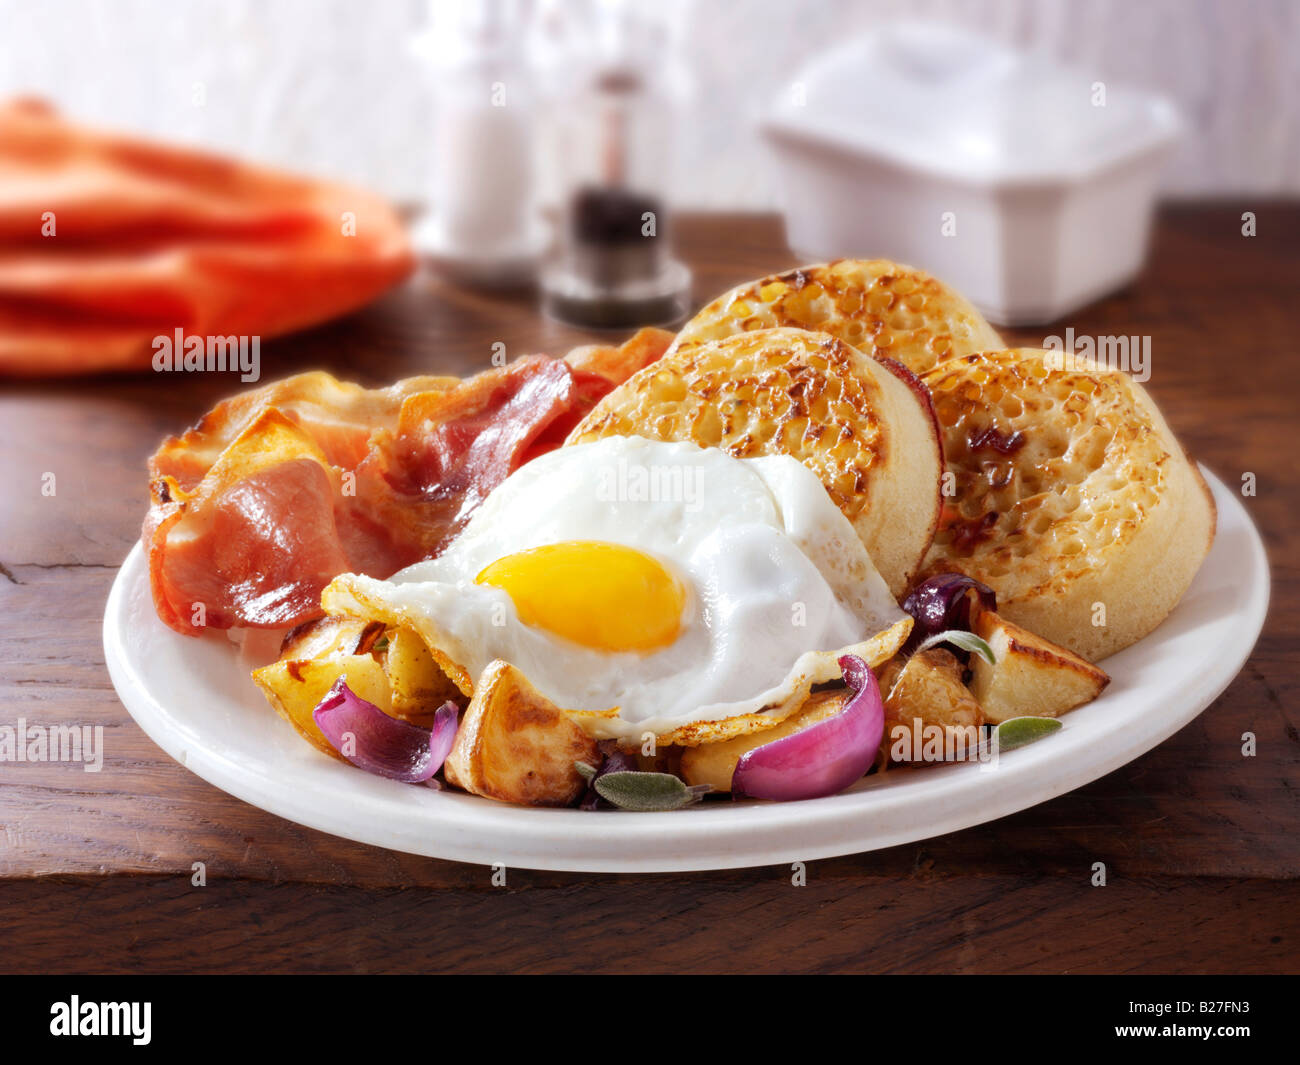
{"x": 1018, "y": 731}
{"x": 587, "y": 772}
{"x": 631, "y": 790}
{"x": 967, "y": 641}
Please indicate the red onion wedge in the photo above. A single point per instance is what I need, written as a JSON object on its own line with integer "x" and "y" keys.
{"x": 943, "y": 602}
{"x": 823, "y": 758}
{"x": 367, "y": 737}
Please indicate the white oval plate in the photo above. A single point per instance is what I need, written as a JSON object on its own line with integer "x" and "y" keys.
{"x": 196, "y": 701}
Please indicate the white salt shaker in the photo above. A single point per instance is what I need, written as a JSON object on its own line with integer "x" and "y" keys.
{"x": 483, "y": 222}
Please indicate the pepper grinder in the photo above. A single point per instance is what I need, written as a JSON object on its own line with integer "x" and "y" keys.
{"x": 616, "y": 101}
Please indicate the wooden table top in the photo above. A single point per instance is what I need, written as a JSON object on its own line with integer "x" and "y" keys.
{"x": 1201, "y": 845}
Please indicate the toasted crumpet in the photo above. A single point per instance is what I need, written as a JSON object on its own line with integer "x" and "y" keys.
{"x": 863, "y": 426}
{"x": 1073, "y": 500}
{"x": 882, "y": 308}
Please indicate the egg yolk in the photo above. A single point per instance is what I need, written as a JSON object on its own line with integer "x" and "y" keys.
{"x": 603, "y": 596}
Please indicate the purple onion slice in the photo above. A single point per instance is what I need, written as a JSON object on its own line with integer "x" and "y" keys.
{"x": 824, "y": 758}
{"x": 367, "y": 737}
{"x": 943, "y": 602}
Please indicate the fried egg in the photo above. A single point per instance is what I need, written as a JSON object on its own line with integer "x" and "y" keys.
{"x": 648, "y": 588}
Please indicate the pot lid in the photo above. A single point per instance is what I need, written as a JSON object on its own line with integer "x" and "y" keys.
{"x": 954, "y": 102}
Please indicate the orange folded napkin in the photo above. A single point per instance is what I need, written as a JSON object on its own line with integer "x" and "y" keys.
{"x": 108, "y": 242}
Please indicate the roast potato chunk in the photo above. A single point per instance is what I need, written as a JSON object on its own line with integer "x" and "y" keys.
{"x": 418, "y": 684}
{"x": 924, "y": 692}
{"x": 1033, "y": 677}
{"x": 328, "y": 637}
{"x": 390, "y": 667}
{"x": 515, "y": 745}
{"x": 295, "y": 687}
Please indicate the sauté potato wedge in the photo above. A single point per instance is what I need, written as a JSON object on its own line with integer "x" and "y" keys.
{"x": 514, "y": 745}
{"x": 1033, "y": 677}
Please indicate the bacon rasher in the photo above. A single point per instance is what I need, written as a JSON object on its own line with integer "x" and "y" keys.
{"x": 277, "y": 491}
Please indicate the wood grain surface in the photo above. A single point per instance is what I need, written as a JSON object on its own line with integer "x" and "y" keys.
{"x": 1201, "y": 845}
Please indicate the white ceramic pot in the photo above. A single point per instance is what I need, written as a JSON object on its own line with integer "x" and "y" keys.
{"x": 1027, "y": 185}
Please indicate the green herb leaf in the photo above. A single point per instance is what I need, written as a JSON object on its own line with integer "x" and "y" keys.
{"x": 1017, "y": 731}
{"x": 967, "y": 641}
{"x": 587, "y": 772}
{"x": 647, "y": 791}
{"x": 381, "y": 644}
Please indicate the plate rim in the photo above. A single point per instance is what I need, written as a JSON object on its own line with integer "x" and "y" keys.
{"x": 754, "y": 832}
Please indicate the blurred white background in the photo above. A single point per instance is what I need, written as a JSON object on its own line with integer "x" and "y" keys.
{"x": 330, "y": 86}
